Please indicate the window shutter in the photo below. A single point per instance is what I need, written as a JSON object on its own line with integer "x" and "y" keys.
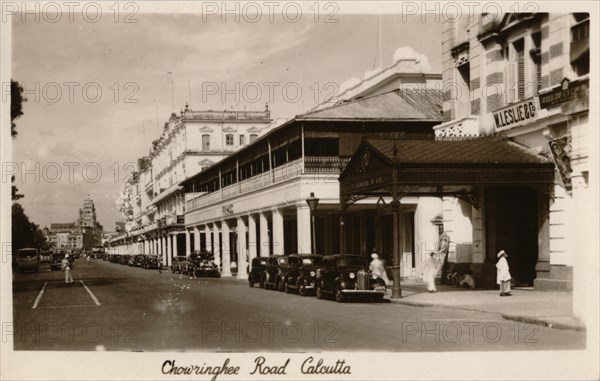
{"x": 511, "y": 85}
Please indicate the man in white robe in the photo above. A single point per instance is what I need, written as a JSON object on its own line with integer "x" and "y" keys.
{"x": 376, "y": 267}
{"x": 503, "y": 274}
{"x": 430, "y": 271}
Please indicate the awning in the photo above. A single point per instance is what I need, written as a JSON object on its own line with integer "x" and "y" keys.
{"x": 427, "y": 167}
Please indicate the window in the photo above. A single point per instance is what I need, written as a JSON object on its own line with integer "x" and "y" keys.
{"x": 229, "y": 139}
{"x": 536, "y": 56}
{"x": 253, "y": 137}
{"x": 242, "y": 140}
{"x": 205, "y": 142}
{"x": 580, "y": 44}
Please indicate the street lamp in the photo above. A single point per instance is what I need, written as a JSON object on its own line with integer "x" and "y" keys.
{"x": 312, "y": 202}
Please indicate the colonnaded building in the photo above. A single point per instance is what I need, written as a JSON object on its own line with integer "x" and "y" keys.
{"x": 496, "y": 156}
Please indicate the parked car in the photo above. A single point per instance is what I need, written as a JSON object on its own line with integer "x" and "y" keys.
{"x": 302, "y": 273}
{"x": 204, "y": 265}
{"x": 342, "y": 275}
{"x": 277, "y": 266}
{"x": 136, "y": 260}
{"x": 180, "y": 265}
{"x": 28, "y": 260}
{"x": 150, "y": 261}
{"x": 256, "y": 271}
{"x": 124, "y": 259}
{"x": 56, "y": 261}
{"x": 116, "y": 258}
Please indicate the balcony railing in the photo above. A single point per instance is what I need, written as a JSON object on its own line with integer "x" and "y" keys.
{"x": 291, "y": 170}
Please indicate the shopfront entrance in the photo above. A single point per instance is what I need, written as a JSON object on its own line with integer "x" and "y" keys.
{"x": 512, "y": 226}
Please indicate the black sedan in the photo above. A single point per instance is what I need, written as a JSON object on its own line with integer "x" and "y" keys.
{"x": 277, "y": 267}
{"x": 343, "y": 275}
{"x": 256, "y": 271}
{"x": 150, "y": 261}
{"x": 56, "y": 261}
{"x": 302, "y": 273}
{"x": 204, "y": 265}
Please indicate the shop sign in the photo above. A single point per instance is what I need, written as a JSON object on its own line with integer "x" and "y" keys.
{"x": 516, "y": 114}
{"x": 568, "y": 91}
{"x": 180, "y": 219}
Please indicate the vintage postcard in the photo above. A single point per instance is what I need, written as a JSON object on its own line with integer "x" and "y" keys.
{"x": 299, "y": 190}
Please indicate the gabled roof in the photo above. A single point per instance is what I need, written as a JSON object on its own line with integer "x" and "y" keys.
{"x": 396, "y": 105}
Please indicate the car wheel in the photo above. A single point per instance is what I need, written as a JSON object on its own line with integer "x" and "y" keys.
{"x": 286, "y": 287}
{"x": 250, "y": 283}
{"x": 301, "y": 288}
{"x": 339, "y": 295}
{"x": 319, "y": 291}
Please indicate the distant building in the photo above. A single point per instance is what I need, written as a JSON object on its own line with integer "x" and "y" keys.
{"x": 80, "y": 235}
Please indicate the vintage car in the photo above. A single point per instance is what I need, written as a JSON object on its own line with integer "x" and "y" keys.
{"x": 256, "y": 271}
{"x": 180, "y": 265}
{"x": 28, "y": 260}
{"x": 302, "y": 273}
{"x": 150, "y": 261}
{"x": 277, "y": 267}
{"x": 136, "y": 260}
{"x": 116, "y": 258}
{"x": 56, "y": 261}
{"x": 125, "y": 259}
{"x": 343, "y": 275}
{"x": 204, "y": 265}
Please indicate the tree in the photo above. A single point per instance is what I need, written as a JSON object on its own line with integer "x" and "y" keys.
{"x": 16, "y": 105}
{"x": 15, "y": 191}
{"x": 24, "y": 232}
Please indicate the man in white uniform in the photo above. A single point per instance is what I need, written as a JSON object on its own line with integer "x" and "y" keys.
{"x": 502, "y": 274}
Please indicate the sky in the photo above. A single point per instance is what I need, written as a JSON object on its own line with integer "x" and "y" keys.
{"x": 99, "y": 91}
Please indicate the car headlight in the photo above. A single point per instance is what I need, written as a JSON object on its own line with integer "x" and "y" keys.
{"x": 352, "y": 275}
{"x": 374, "y": 276}
{"x": 312, "y": 273}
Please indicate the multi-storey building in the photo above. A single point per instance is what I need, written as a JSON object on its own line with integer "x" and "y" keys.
{"x": 523, "y": 76}
{"x": 192, "y": 141}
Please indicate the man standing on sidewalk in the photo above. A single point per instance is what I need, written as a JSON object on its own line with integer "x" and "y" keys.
{"x": 502, "y": 274}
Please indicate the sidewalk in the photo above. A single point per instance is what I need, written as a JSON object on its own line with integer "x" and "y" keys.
{"x": 549, "y": 309}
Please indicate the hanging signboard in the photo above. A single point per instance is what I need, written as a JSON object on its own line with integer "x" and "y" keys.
{"x": 568, "y": 91}
{"x": 516, "y": 114}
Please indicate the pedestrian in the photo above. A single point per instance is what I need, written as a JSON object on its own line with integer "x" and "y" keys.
{"x": 66, "y": 267}
{"x": 87, "y": 258}
{"x": 502, "y": 274}
{"x": 377, "y": 267}
{"x": 432, "y": 267}
{"x": 159, "y": 260}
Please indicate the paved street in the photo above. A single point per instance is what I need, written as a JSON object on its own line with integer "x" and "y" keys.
{"x": 115, "y": 307}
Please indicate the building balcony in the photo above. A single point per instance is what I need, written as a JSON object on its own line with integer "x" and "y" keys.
{"x": 467, "y": 126}
{"x": 280, "y": 174}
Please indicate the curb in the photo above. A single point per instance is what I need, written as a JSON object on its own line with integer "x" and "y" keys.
{"x": 544, "y": 323}
{"x": 517, "y": 318}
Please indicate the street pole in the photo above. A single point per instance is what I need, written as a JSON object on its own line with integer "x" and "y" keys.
{"x": 314, "y": 237}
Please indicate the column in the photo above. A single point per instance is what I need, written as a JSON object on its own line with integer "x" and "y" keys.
{"x": 208, "y": 238}
{"x": 197, "y": 239}
{"x": 188, "y": 243}
{"x": 174, "y": 253}
{"x": 216, "y": 244}
{"x": 242, "y": 249}
{"x": 264, "y": 235}
{"x": 169, "y": 251}
{"x": 304, "y": 228}
{"x": 225, "y": 249}
{"x": 278, "y": 246}
{"x": 251, "y": 237}
{"x": 163, "y": 250}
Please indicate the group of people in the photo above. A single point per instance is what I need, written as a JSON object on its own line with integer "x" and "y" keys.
{"x": 435, "y": 262}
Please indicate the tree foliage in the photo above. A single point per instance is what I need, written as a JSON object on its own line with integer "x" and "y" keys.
{"x": 16, "y": 104}
{"x": 24, "y": 232}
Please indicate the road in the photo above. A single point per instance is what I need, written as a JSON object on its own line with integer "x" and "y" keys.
{"x": 113, "y": 307}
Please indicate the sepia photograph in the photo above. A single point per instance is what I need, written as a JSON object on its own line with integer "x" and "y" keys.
{"x": 299, "y": 190}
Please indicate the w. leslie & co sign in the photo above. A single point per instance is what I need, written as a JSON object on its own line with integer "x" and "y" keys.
{"x": 516, "y": 114}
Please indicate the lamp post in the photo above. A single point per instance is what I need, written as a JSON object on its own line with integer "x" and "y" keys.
{"x": 312, "y": 202}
